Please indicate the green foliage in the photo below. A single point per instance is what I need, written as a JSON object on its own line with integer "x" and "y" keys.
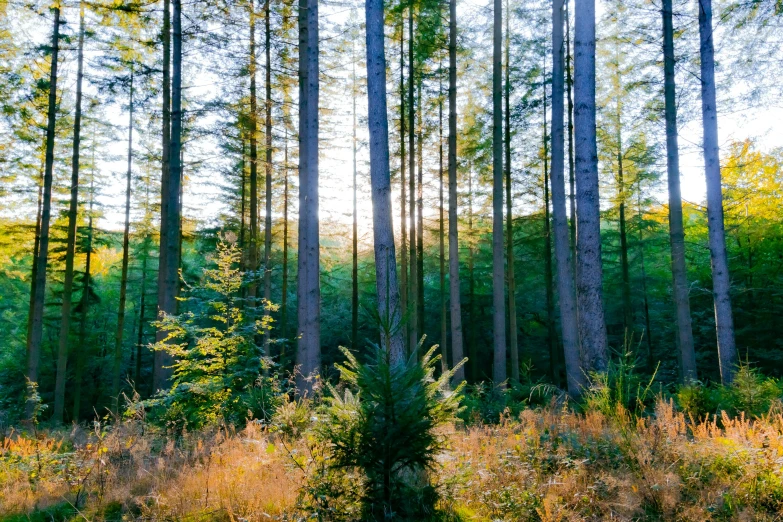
{"x": 751, "y": 393}
{"x": 620, "y": 388}
{"x": 217, "y": 373}
{"x": 381, "y": 428}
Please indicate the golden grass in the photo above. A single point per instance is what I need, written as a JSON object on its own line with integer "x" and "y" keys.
{"x": 549, "y": 464}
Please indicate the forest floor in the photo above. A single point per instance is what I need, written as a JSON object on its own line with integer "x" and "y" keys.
{"x": 547, "y": 464}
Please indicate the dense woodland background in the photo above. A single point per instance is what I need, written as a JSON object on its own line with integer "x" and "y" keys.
{"x": 241, "y": 174}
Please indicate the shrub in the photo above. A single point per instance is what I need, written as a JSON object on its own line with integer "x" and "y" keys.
{"x": 383, "y": 428}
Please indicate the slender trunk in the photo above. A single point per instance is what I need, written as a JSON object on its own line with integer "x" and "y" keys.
{"x": 621, "y": 196}
{"x": 284, "y": 289}
{"x": 499, "y": 374}
{"x": 420, "y": 216}
{"x": 455, "y": 306}
{"x": 512, "y": 300}
{"x": 85, "y": 302}
{"x": 115, "y": 393}
{"x": 413, "y": 293}
{"x": 308, "y": 290}
{"x": 36, "y": 243}
{"x": 142, "y": 318}
{"x": 252, "y": 254}
{"x": 403, "y": 191}
{"x": 647, "y": 330}
{"x": 35, "y": 338}
{"x": 571, "y": 178}
{"x": 268, "y": 176}
{"x": 682, "y": 305}
{"x": 472, "y": 349}
{"x": 592, "y": 328}
{"x": 65, "y": 320}
{"x": 444, "y": 325}
{"x": 554, "y": 356}
{"x": 389, "y": 309}
{"x": 565, "y": 274}
{"x": 355, "y": 239}
{"x": 168, "y": 267}
{"x": 243, "y": 198}
{"x": 721, "y": 282}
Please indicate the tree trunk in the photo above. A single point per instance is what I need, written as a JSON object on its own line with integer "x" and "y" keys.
{"x": 648, "y": 331}
{"x": 420, "y": 218}
{"x": 626, "y": 270}
{"x": 499, "y": 374}
{"x": 571, "y": 177}
{"x": 676, "y": 229}
{"x": 35, "y": 338}
{"x": 252, "y": 255}
{"x": 308, "y": 291}
{"x": 268, "y": 176}
{"x": 721, "y": 283}
{"x": 115, "y": 393}
{"x": 142, "y": 318}
{"x": 65, "y": 320}
{"x": 85, "y": 302}
{"x": 455, "y": 306}
{"x": 36, "y": 243}
{"x": 512, "y": 300}
{"x": 472, "y": 348}
{"x": 554, "y": 356}
{"x": 355, "y": 230}
{"x": 403, "y": 191}
{"x": 444, "y": 325}
{"x": 592, "y": 328}
{"x": 414, "y": 277}
{"x": 168, "y": 268}
{"x": 383, "y": 235}
{"x": 565, "y": 275}
{"x": 284, "y": 299}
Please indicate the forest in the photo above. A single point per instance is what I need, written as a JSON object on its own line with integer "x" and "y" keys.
{"x": 442, "y": 260}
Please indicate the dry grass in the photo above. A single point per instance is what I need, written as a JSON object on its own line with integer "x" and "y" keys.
{"x": 549, "y": 465}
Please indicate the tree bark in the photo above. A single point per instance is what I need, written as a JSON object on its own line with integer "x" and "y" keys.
{"x": 420, "y": 216}
{"x": 721, "y": 283}
{"x": 680, "y": 287}
{"x": 512, "y": 300}
{"x": 284, "y": 299}
{"x": 389, "y": 309}
{"x": 65, "y": 320}
{"x": 253, "y": 131}
{"x": 444, "y": 325}
{"x": 115, "y": 393}
{"x": 565, "y": 275}
{"x": 472, "y": 349}
{"x": 592, "y": 328}
{"x": 168, "y": 269}
{"x": 42, "y": 259}
{"x": 554, "y": 356}
{"x": 454, "y": 290}
{"x": 499, "y": 374}
{"x": 268, "y": 175}
{"x": 308, "y": 291}
{"x": 571, "y": 177}
{"x": 403, "y": 191}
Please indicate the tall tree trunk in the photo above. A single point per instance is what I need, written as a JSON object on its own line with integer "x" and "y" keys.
{"x": 571, "y": 177}
{"x": 284, "y": 289}
{"x": 42, "y": 259}
{"x": 142, "y": 318}
{"x": 70, "y": 249}
{"x": 308, "y": 291}
{"x": 554, "y": 356}
{"x": 268, "y": 175}
{"x": 621, "y": 196}
{"x": 420, "y": 215}
{"x": 355, "y": 230}
{"x": 682, "y": 305}
{"x": 85, "y": 301}
{"x": 36, "y": 242}
{"x": 115, "y": 389}
{"x": 565, "y": 275}
{"x": 512, "y": 299}
{"x": 721, "y": 283}
{"x": 403, "y": 190}
{"x": 454, "y": 295}
{"x": 389, "y": 309}
{"x": 647, "y": 330}
{"x": 168, "y": 264}
{"x": 444, "y": 325}
{"x": 472, "y": 349}
{"x": 499, "y": 374}
{"x": 592, "y": 328}
{"x": 252, "y": 255}
{"x": 243, "y": 199}
{"x": 414, "y": 278}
